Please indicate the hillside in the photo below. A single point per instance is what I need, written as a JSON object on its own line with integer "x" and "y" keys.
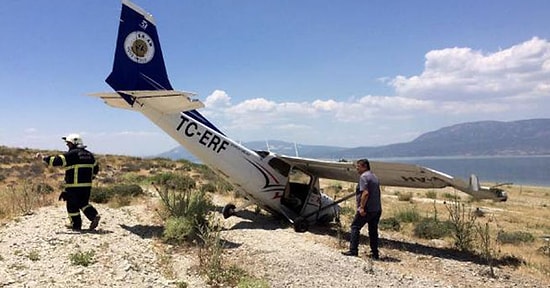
{"x": 484, "y": 138}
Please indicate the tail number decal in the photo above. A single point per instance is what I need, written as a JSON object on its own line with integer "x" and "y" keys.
{"x": 205, "y": 137}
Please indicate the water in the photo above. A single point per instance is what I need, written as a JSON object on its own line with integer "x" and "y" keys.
{"x": 520, "y": 170}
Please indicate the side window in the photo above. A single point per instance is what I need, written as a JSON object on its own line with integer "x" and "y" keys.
{"x": 280, "y": 165}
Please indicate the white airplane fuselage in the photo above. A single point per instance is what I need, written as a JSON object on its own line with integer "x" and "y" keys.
{"x": 245, "y": 169}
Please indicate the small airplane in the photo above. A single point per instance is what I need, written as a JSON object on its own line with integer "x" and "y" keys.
{"x": 282, "y": 185}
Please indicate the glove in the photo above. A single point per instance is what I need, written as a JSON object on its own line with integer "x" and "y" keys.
{"x": 63, "y": 196}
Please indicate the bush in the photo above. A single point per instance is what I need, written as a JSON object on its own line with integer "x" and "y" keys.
{"x": 189, "y": 206}
{"x": 430, "y": 228}
{"x": 106, "y": 194}
{"x": 405, "y": 196}
{"x": 174, "y": 181}
{"x": 82, "y": 258}
{"x": 132, "y": 190}
{"x": 515, "y": 238}
{"x": 389, "y": 224}
{"x": 409, "y": 215}
{"x": 463, "y": 222}
{"x": 208, "y": 187}
{"x": 431, "y": 194}
{"x": 178, "y": 229}
{"x": 101, "y": 194}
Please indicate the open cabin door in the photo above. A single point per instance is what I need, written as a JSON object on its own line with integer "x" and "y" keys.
{"x": 301, "y": 192}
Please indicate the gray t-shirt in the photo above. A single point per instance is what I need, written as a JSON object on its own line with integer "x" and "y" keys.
{"x": 368, "y": 181}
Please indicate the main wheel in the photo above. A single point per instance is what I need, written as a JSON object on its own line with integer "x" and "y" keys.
{"x": 228, "y": 210}
{"x": 300, "y": 225}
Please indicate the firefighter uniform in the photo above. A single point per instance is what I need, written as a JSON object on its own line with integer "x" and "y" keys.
{"x": 80, "y": 168}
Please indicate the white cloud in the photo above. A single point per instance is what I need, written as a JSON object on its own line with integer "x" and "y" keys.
{"x": 457, "y": 85}
{"x": 217, "y": 99}
{"x": 462, "y": 74}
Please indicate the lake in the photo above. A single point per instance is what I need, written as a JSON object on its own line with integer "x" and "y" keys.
{"x": 520, "y": 170}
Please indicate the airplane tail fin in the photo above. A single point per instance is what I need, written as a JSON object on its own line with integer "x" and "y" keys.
{"x": 138, "y": 62}
{"x": 474, "y": 183}
{"x": 139, "y": 68}
{"x": 475, "y": 189}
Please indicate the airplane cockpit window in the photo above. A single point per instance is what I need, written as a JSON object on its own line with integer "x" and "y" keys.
{"x": 280, "y": 165}
{"x": 262, "y": 154}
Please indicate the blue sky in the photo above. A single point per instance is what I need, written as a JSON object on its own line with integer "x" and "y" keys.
{"x": 345, "y": 73}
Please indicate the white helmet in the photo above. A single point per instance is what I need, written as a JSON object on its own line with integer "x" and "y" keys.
{"x": 75, "y": 139}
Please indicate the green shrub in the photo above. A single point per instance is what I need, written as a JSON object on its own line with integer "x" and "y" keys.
{"x": 174, "y": 181}
{"x": 347, "y": 211}
{"x": 429, "y": 228}
{"x": 133, "y": 178}
{"x": 389, "y": 224}
{"x": 410, "y": 215}
{"x": 463, "y": 223}
{"x": 404, "y": 196}
{"x": 107, "y": 193}
{"x": 516, "y": 237}
{"x": 43, "y": 188}
{"x": 178, "y": 229}
{"x": 101, "y": 194}
{"x": 208, "y": 187}
{"x": 431, "y": 194}
{"x": 82, "y": 258}
{"x": 132, "y": 190}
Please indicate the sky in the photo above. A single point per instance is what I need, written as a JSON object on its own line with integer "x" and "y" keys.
{"x": 316, "y": 72}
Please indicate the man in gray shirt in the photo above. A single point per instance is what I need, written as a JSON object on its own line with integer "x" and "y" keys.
{"x": 369, "y": 209}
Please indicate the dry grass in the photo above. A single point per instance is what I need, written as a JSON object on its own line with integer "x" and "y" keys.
{"x": 527, "y": 210}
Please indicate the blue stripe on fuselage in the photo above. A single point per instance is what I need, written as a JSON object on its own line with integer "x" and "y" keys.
{"x": 199, "y": 118}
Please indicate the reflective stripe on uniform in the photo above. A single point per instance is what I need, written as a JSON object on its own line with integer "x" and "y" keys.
{"x": 76, "y": 167}
{"x": 86, "y": 207}
{"x": 74, "y": 214}
{"x": 78, "y": 185}
{"x": 61, "y": 156}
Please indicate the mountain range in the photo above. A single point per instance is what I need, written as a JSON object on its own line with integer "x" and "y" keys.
{"x": 482, "y": 138}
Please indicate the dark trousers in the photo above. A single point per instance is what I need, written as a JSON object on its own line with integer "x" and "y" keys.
{"x": 78, "y": 199}
{"x": 372, "y": 218}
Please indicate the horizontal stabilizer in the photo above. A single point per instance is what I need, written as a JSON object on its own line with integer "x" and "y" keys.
{"x": 165, "y": 101}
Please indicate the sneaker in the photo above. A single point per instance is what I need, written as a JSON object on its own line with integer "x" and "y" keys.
{"x": 349, "y": 253}
{"x": 95, "y": 222}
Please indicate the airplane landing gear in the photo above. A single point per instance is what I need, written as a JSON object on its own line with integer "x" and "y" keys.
{"x": 228, "y": 210}
{"x": 300, "y": 225}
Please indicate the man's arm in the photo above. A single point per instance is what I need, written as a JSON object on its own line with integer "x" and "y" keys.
{"x": 363, "y": 202}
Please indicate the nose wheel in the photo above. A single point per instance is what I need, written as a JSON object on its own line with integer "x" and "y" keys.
{"x": 228, "y": 210}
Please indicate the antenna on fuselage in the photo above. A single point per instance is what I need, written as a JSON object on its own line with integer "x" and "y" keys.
{"x": 267, "y": 145}
{"x": 296, "y": 149}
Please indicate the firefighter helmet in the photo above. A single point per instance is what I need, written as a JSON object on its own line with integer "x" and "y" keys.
{"x": 75, "y": 139}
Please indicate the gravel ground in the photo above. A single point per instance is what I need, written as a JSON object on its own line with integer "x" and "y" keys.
{"x": 35, "y": 251}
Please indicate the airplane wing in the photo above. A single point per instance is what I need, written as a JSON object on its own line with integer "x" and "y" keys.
{"x": 394, "y": 174}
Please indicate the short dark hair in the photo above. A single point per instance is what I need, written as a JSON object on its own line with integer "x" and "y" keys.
{"x": 364, "y": 162}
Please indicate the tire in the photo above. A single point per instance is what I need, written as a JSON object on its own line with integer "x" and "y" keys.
{"x": 228, "y": 210}
{"x": 301, "y": 225}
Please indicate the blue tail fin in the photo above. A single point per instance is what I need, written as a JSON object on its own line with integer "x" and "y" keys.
{"x": 138, "y": 64}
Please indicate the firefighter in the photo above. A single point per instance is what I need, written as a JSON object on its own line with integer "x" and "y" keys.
{"x": 80, "y": 168}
